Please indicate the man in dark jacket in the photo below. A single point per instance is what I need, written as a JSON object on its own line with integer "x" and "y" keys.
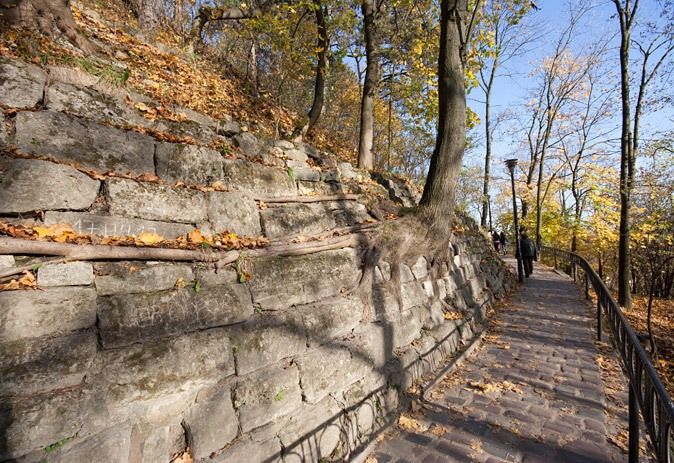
{"x": 528, "y": 249}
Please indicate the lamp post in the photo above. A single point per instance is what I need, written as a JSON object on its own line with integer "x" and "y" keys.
{"x": 511, "y": 164}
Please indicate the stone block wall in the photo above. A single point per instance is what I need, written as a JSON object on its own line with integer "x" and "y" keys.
{"x": 135, "y": 361}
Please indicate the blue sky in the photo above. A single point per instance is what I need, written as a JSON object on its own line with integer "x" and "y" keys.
{"x": 511, "y": 90}
{"x": 512, "y": 87}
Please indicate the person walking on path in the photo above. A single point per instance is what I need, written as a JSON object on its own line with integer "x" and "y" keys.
{"x": 504, "y": 242}
{"x": 496, "y": 241}
{"x": 528, "y": 249}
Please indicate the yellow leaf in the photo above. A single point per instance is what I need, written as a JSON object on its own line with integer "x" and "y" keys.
{"x": 150, "y": 238}
{"x": 195, "y": 236}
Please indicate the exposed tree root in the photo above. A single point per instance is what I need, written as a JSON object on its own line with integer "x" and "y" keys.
{"x": 308, "y": 199}
{"x": 72, "y": 252}
{"x": 51, "y": 17}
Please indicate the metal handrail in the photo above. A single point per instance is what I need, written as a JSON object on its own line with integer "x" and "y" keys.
{"x": 646, "y": 388}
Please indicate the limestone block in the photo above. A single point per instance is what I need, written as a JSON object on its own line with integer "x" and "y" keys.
{"x": 346, "y": 171}
{"x": 371, "y": 346}
{"x": 306, "y": 279}
{"x": 413, "y": 294}
{"x": 113, "y": 278}
{"x": 104, "y": 225}
{"x": 442, "y": 289}
{"x": 294, "y": 219}
{"x": 321, "y": 188}
{"x": 428, "y": 288}
{"x": 156, "y": 202}
{"x": 435, "y": 317}
{"x": 264, "y": 341}
{"x": 110, "y": 446}
{"x": 52, "y": 312}
{"x": 327, "y": 370}
{"x": 21, "y": 84}
{"x": 127, "y": 318}
{"x": 284, "y": 144}
{"x": 6, "y": 262}
{"x": 32, "y": 423}
{"x": 420, "y": 268}
{"x": 257, "y": 179}
{"x": 350, "y": 213}
{"x": 406, "y": 274}
{"x": 385, "y": 269}
{"x": 296, "y": 155}
{"x": 248, "y": 143}
{"x": 228, "y": 128}
{"x": 91, "y": 104}
{"x": 386, "y": 307}
{"x": 371, "y": 385}
{"x": 331, "y": 175}
{"x": 313, "y": 432}
{"x": 4, "y": 133}
{"x": 30, "y": 367}
{"x": 211, "y": 421}
{"x": 266, "y": 395}
{"x": 188, "y": 163}
{"x": 157, "y": 369}
{"x": 87, "y": 143}
{"x": 67, "y": 274}
{"x": 409, "y": 327}
{"x": 247, "y": 449}
{"x": 32, "y": 185}
{"x": 331, "y": 319}
{"x": 466, "y": 332}
{"x": 235, "y": 212}
{"x": 306, "y": 174}
{"x": 158, "y": 445}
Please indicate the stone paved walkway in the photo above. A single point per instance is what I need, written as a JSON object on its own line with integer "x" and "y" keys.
{"x": 532, "y": 393}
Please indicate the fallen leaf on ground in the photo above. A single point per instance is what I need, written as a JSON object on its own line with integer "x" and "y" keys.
{"x": 412, "y": 424}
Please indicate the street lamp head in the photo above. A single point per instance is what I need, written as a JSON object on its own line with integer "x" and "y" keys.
{"x": 511, "y": 164}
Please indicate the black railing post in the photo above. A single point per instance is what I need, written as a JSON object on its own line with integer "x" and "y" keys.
{"x": 598, "y": 317}
{"x": 587, "y": 292}
{"x": 554, "y": 253}
{"x": 633, "y": 456}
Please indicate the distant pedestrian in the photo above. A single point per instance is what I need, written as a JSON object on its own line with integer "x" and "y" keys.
{"x": 528, "y": 250}
{"x": 496, "y": 241}
{"x": 504, "y": 242}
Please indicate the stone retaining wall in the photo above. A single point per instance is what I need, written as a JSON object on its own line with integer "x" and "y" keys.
{"x": 135, "y": 361}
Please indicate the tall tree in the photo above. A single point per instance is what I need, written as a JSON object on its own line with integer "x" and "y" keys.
{"x": 507, "y": 39}
{"x": 322, "y": 47}
{"x": 627, "y": 11}
{"x": 659, "y": 48}
{"x": 457, "y": 23}
{"x": 372, "y": 11}
{"x": 148, "y": 12}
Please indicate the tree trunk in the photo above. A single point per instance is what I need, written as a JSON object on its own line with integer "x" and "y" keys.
{"x": 321, "y": 69}
{"x": 439, "y": 192}
{"x": 148, "y": 13}
{"x": 51, "y": 17}
{"x": 487, "y": 154}
{"x": 624, "y": 258}
{"x": 372, "y": 71}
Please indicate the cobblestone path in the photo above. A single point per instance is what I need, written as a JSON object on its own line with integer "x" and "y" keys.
{"x": 532, "y": 393}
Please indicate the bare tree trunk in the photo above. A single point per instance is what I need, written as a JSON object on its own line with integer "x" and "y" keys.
{"x": 321, "y": 69}
{"x": 438, "y": 198}
{"x": 624, "y": 258}
{"x": 148, "y": 13}
{"x": 487, "y": 154}
{"x": 372, "y": 71}
{"x": 51, "y": 17}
